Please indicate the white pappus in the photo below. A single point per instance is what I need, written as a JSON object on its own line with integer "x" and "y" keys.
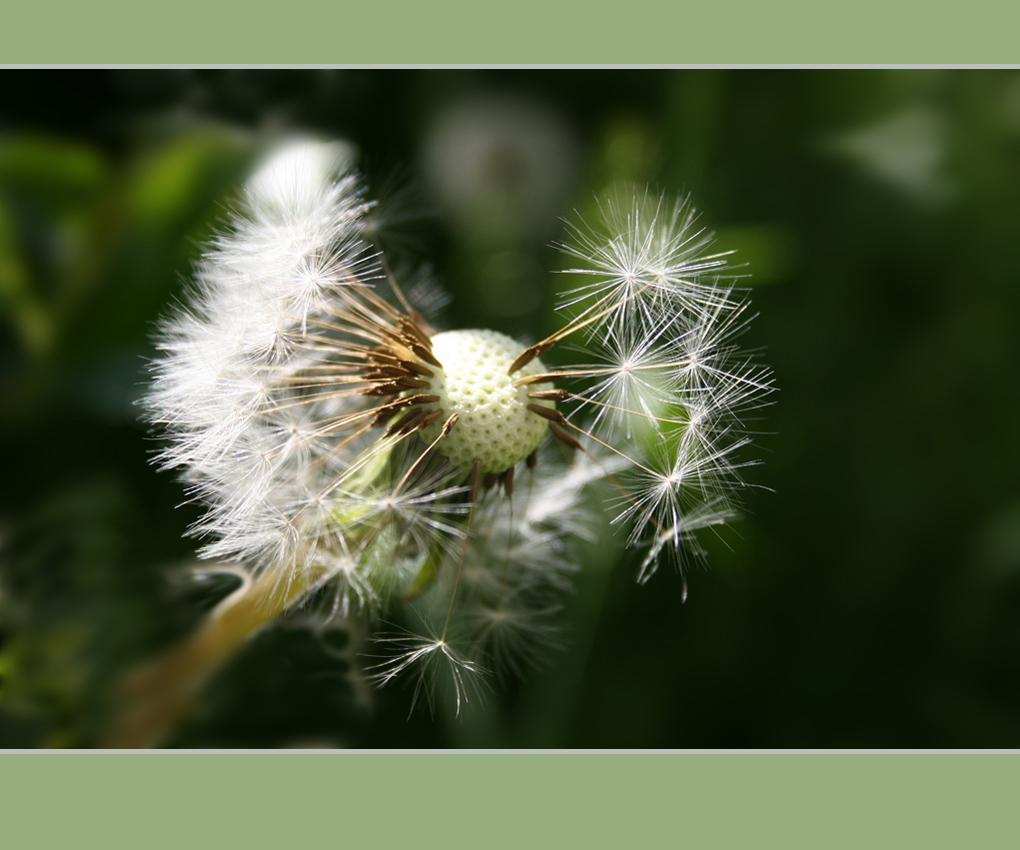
{"x": 345, "y": 448}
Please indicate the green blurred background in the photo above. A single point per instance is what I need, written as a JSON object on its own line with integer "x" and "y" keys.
{"x": 870, "y": 600}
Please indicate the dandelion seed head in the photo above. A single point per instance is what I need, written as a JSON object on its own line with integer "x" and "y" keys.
{"x": 495, "y": 426}
{"x": 348, "y": 452}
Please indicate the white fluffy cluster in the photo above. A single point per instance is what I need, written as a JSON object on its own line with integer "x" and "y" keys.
{"x": 336, "y": 437}
{"x": 668, "y": 387}
{"x": 257, "y": 459}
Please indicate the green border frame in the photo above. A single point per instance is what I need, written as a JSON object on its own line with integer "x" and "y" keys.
{"x": 456, "y": 32}
{"x": 551, "y": 800}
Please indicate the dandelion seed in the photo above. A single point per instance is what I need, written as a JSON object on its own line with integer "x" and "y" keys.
{"x": 337, "y": 438}
{"x": 434, "y": 665}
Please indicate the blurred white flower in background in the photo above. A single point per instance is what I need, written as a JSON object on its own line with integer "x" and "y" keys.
{"x": 502, "y": 165}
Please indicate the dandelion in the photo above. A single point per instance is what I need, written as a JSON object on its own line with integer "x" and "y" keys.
{"x": 348, "y": 449}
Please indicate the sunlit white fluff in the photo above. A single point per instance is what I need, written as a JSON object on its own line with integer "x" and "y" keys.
{"x": 296, "y": 388}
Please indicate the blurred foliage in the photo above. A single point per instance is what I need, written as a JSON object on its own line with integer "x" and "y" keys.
{"x": 871, "y": 600}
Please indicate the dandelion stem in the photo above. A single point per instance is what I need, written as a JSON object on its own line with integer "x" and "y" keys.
{"x": 158, "y": 695}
